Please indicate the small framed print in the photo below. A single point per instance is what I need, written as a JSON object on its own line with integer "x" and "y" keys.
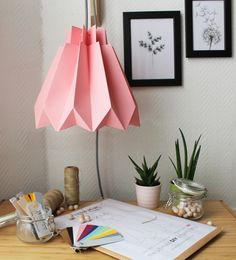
{"x": 152, "y": 48}
{"x": 208, "y": 28}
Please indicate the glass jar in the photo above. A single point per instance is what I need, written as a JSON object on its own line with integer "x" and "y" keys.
{"x": 186, "y": 198}
{"x": 36, "y": 231}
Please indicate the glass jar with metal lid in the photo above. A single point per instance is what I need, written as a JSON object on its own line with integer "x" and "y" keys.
{"x": 186, "y": 198}
{"x": 30, "y": 230}
{"x": 36, "y": 231}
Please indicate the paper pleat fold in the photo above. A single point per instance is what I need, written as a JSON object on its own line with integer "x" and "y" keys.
{"x": 86, "y": 86}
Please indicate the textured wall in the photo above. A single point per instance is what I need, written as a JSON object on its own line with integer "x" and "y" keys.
{"x": 205, "y": 104}
{"x": 22, "y": 149}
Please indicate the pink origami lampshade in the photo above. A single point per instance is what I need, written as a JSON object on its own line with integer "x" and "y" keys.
{"x": 86, "y": 86}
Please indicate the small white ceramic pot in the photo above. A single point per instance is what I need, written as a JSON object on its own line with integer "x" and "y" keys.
{"x": 148, "y": 196}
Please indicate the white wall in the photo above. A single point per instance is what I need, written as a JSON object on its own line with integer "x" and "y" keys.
{"x": 22, "y": 156}
{"x": 205, "y": 104}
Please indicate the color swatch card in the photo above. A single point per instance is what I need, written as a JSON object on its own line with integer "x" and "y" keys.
{"x": 93, "y": 235}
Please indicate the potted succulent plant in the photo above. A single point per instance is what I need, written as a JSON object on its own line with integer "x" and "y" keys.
{"x": 186, "y": 168}
{"x": 148, "y": 186}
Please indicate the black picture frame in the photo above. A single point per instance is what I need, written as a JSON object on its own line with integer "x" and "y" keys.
{"x": 152, "y": 48}
{"x": 208, "y": 28}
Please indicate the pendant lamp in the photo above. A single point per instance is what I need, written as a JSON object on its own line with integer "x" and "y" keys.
{"x": 86, "y": 86}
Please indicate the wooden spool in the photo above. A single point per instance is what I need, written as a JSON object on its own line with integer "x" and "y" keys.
{"x": 53, "y": 199}
{"x": 71, "y": 185}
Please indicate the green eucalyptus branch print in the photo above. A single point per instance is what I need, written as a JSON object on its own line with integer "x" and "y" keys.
{"x": 153, "y": 45}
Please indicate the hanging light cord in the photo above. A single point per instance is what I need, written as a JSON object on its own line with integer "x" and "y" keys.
{"x": 97, "y": 166}
{"x": 86, "y": 14}
{"x": 97, "y": 132}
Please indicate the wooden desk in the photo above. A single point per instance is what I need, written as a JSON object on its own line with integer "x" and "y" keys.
{"x": 222, "y": 247}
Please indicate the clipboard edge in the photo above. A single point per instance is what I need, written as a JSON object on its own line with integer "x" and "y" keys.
{"x": 111, "y": 253}
{"x": 193, "y": 249}
{"x": 199, "y": 244}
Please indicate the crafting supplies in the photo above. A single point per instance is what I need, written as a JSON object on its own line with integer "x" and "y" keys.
{"x": 36, "y": 231}
{"x": 60, "y": 210}
{"x": 71, "y": 217}
{"x": 53, "y": 199}
{"x": 71, "y": 207}
{"x": 83, "y": 218}
{"x": 34, "y": 222}
{"x": 76, "y": 206}
{"x": 84, "y": 236}
{"x": 19, "y": 195}
{"x": 38, "y": 215}
{"x": 67, "y": 235}
{"x": 22, "y": 202}
{"x": 186, "y": 198}
{"x": 15, "y": 204}
{"x": 71, "y": 185}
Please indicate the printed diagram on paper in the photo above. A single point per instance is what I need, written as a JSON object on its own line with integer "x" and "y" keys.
{"x": 148, "y": 234}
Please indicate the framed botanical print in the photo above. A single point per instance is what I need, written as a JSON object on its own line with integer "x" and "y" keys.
{"x": 208, "y": 28}
{"x": 152, "y": 48}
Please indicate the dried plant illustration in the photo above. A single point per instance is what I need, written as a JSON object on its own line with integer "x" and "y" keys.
{"x": 153, "y": 45}
{"x": 211, "y": 35}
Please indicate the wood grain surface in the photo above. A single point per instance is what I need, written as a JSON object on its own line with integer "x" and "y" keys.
{"x": 221, "y": 247}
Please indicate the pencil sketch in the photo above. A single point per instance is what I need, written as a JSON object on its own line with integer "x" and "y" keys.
{"x": 153, "y": 45}
{"x": 208, "y": 16}
{"x": 152, "y": 49}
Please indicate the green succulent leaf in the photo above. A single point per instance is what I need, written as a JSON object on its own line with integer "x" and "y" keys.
{"x": 188, "y": 171}
{"x": 155, "y": 165}
{"x": 145, "y": 167}
{"x": 191, "y": 171}
{"x": 148, "y": 175}
{"x": 134, "y": 163}
{"x": 139, "y": 182}
{"x": 178, "y": 159}
{"x": 141, "y": 173}
{"x": 178, "y": 174}
{"x": 185, "y": 154}
{"x": 194, "y": 165}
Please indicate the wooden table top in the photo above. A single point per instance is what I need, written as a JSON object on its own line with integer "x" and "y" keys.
{"x": 221, "y": 247}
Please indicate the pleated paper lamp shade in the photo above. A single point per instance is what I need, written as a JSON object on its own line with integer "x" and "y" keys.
{"x": 86, "y": 86}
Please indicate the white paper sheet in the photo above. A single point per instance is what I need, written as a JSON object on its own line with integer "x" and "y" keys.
{"x": 148, "y": 234}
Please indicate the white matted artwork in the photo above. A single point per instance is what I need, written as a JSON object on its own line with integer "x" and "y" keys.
{"x": 208, "y": 25}
{"x": 208, "y": 28}
{"x": 152, "y": 44}
{"x": 152, "y": 48}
